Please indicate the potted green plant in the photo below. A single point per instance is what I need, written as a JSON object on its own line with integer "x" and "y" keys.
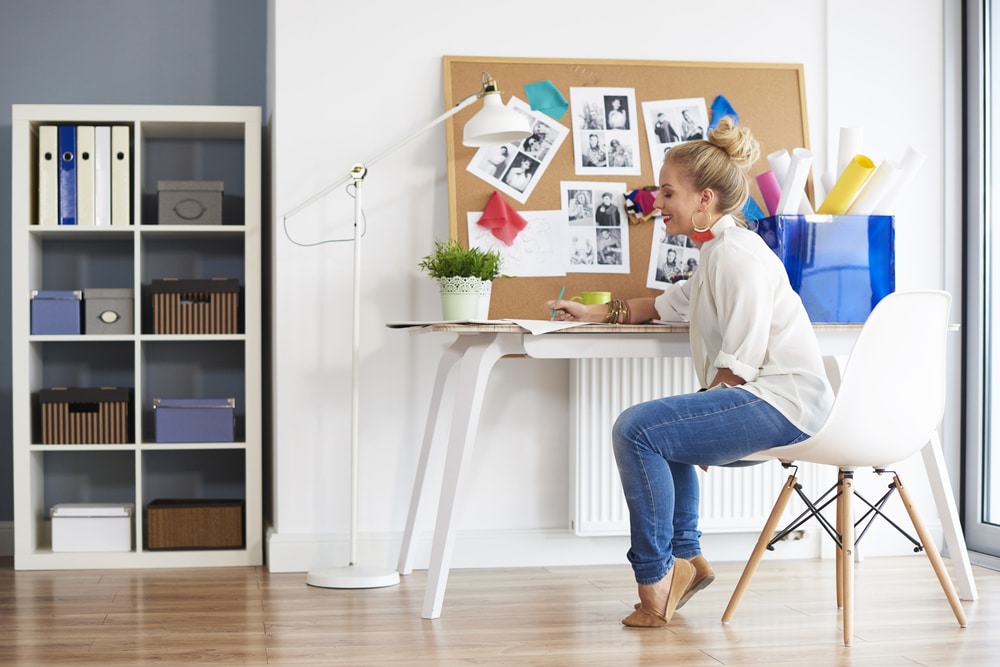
{"x": 465, "y": 276}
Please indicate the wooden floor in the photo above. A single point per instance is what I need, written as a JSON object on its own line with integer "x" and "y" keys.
{"x": 524, "y": 616}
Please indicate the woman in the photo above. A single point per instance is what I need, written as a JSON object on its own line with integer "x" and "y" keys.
{"x": 518, "y": 177}
{"x": 617, "y": 117}
{"x": 755, "y": 353}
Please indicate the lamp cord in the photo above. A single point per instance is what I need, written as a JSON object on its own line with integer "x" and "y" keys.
{"x": 349, "y": 189}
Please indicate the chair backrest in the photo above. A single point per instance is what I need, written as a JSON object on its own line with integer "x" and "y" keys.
{"x": 892, "y": 396}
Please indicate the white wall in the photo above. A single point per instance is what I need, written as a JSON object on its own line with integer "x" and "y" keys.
{"x": 349, "y": 83}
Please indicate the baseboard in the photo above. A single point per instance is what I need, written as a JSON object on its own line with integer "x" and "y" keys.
{"x": 509, "y": 548}
{"x": 550, "y": 548}
{"x": 6, "y": 538}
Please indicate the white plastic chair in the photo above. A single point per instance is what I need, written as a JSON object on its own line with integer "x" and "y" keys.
{"x": 889, "y": 405}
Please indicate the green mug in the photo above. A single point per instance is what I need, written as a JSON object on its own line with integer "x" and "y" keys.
{"x": 590, "y": 298}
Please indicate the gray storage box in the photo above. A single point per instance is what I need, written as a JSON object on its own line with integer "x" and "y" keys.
{"x": 190, "y": 202}
{"x": 194, "y": 419}
{"x": 108, "y": 311}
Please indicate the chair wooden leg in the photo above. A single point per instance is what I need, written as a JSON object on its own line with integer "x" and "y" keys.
{"x": 846, "y": 556}
{"x": 758, "y": 553}
{"x": 840, "y": 529}
{"x": 932, "y": 553}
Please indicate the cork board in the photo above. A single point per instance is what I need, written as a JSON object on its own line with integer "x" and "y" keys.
{"x": 769, "y": 98}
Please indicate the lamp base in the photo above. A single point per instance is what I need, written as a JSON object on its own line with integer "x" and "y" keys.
{"x": 352, "y": 576}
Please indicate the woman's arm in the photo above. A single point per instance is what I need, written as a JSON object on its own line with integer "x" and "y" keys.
{"x": 641, "y": 309}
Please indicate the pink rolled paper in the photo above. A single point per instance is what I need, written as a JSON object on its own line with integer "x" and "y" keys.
{"x": 843, "y": 192}
{"x": 770, "y": 191}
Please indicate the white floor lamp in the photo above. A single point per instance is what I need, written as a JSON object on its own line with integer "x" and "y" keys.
{"x": 493, "y": 124}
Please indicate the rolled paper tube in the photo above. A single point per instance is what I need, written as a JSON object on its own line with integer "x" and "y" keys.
{"x": 793, "y": 187}
{"x": 880, "y": 183}
{"x": 847, "y": 186}
{"x": 770, "y": 191}
{"x": 779, "y": 161}
{"x": 827, "y": 180}
{"x": 908, "y": 168}
{"x": 850, "y": 145}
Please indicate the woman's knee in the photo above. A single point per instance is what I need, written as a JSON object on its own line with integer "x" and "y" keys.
{"x": 625, "y": 430}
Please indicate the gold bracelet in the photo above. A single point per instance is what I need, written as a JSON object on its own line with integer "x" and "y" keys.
{"x": 618, "y": 308}
{"x": 608, "y": 319}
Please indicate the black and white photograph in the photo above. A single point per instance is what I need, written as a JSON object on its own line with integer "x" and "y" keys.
{"x": 605, "y": 131}
{"x": 598, "y": 226}
{"x": 580, "y": 206}
{"x": 515, "y": 168}
{"x": 669, "y": 122}
{"x": 672, "y": 257}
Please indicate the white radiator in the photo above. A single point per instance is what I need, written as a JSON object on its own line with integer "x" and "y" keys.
{"x": 732, "y": 499}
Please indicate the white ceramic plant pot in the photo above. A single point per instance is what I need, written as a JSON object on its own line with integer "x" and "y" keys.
{"x": 460, "y": 297}
{"x": 485, "y": 292}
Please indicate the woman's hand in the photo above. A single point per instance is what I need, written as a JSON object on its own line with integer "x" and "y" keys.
{"x": 573, "y": 311}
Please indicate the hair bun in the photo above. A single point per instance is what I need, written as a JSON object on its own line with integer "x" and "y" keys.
{"x": 738, "y": 142}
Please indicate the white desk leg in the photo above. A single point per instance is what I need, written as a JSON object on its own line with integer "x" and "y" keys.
{"x": 448, "y": 358}
{"x": 954, "y": 538}
{"x": 473, "y": 373}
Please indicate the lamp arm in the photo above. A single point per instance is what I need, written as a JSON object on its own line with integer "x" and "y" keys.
{"x": 362, "y": 168}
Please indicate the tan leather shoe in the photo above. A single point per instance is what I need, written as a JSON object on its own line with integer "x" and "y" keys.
{"x": 704, "y": 575}
{"x": 684, "y": 573}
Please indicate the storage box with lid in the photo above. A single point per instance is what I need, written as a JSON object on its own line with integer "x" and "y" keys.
{"x": 189, "y": 202}
{"x": 194, "y": 419}
{"x": 194, "y": 524}
{"x": 840, "y": 265}
{"x": 78, "y": 527}
{"x": 195, "y": 306}
{"x": 108, "y": 311}
{"x": 84, "y": 415}
{"x": 55, "y": 312}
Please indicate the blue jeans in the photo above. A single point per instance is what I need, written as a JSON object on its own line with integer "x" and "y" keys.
{"x": 657, "y": 446}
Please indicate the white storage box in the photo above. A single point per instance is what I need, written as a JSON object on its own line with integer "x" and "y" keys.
{"x": 91, "y": 527}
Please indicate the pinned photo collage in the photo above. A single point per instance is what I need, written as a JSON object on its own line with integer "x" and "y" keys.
{"x": 515, "y": 168}
{"x": 605, "y": 131}
{"x": 597, "y": 226}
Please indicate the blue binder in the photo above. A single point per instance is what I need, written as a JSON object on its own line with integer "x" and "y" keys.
{"x": 67, "y": 174}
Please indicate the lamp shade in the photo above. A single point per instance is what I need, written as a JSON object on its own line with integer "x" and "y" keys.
{"x": 495, "y": 124}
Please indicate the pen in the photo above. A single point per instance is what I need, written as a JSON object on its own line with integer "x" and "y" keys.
{"x": 558, "y": 298}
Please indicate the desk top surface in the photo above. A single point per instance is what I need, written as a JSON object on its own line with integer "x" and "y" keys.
{"x": 675, "y": 327}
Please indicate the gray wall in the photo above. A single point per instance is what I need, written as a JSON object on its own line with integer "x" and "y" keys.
{"x": 115, "y": 52}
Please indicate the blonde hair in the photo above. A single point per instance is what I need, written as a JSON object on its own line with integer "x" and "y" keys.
{"x": 721, "y": 163}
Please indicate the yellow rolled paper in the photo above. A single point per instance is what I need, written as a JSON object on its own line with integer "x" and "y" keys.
{"x": 847, "y": 187}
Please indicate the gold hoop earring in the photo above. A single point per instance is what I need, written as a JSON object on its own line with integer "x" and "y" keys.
{"x": 694, "y": 224}
{"x": 701, "y": 234}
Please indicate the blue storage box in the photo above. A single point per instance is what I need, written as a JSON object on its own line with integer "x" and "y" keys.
{"x": 194, "y": 419}
{"x": 840, "y": 265}
{"x": 55, "y": 312}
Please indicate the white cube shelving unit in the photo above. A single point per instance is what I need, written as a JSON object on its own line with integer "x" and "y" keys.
{"x": 167, "y": 143}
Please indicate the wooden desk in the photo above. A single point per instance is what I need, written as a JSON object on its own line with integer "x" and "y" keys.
{"x": 476, "y": 350}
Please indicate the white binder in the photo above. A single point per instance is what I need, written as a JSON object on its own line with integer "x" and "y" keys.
{"x": 102, "y": 175}
{"x": 48, "y": 175}
{"x": 85, "y": 175}
{"x": 121, "y": 176}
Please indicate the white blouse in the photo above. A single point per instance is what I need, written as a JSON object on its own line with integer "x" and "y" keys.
{"x": 745, "y": 317}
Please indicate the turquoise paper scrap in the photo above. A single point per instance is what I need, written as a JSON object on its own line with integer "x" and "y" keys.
{"x": 721, "y": 107}
{"x": 752, "y": 211}
{"x": 545, "y": 97}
